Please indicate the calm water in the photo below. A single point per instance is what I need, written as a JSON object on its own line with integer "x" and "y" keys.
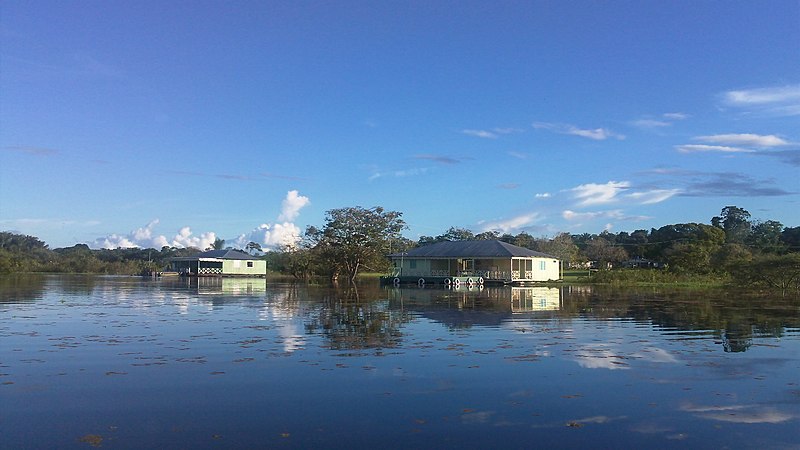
{"x": 135, "y": 363}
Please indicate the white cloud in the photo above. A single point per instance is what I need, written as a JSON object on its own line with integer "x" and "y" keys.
{"x": 651, "y": 123}
{"x": 598, "y": 134}
{"x": 583, "y": 216}
{"x": 675, "y": 116}
{"x": 777, "y": 100}
{"x": 285, "y": 234}
{"x": 745, "y": 139}
{"x": 291, "y": 206}
{"x": 271, "y": 236}
{"x": 694, "y": 148}
{"x": 185, "y": 239}
{"x": 400, "y": 173}
{"x": 760, "y": 96}
{"x": 596, "y": 194}
{"x": 653, "y": 196}
{"x": 480, "y": 133}
{"x": 145, "y": 237}
{"x": 518, "y": 155}
{"x": 510, "y": 225}
{"x": 543, "y": 195}
{"x": 491, "y": 134}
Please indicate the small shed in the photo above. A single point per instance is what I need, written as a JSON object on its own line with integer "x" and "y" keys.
{"x": 220, "y": 263}
{"x": 489, "y": 260}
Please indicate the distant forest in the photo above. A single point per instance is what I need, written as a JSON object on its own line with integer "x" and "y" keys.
{"x": 731, "y": 244}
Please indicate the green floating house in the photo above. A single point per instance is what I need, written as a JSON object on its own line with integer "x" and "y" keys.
{"x": 220, "y": 263}
{"x": 485, "y": 261}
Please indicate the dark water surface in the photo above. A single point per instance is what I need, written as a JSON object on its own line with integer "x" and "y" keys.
{"x": 116, "y": 362}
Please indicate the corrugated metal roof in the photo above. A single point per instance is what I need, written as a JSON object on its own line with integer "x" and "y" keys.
{"x": 471, "y": 249}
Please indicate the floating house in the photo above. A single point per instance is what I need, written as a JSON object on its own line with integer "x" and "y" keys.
{"x": 220, "y": 263}
{"x": 478, "y": 262}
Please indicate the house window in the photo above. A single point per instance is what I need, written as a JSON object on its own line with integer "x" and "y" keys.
{"x": 249, "y": 263}
{"x": 542, "y": 265}
{"x": 412, "y": 264}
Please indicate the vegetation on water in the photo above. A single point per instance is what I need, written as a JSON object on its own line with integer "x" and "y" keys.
{"x": 732, "y": 249}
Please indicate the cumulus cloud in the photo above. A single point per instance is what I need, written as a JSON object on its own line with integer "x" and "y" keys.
{"x": 144, "y": 237}
{"x": 269, "y": 236}
{"x": 291, "y": 206}
{"x": 744, "y": 139}
{"x": 598, "y": 134}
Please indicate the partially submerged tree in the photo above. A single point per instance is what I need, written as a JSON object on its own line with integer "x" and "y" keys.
{"x": 355, "y": 236}
{"x": 778, "y": 272}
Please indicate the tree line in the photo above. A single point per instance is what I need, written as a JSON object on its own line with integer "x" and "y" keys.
{"x": 354, "y": 240}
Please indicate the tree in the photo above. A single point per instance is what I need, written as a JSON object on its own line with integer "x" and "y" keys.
{"x": 689, "y": 247}
{"x": 765, "y": 237}
{"x": 487, "y": 236}
{"x": 735, "y": 222}
{"x": 253, "y": 248}
{"x": 780, "y": 272}
{"x": 791, "y": 237}
{"x": 219, "y": 244}
{"x": 356, "y": 236}
{"x": 600, "y": 249}
{"x": 561, "y": 247}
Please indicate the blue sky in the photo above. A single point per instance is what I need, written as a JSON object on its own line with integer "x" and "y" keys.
{"x": 173, "y": 123}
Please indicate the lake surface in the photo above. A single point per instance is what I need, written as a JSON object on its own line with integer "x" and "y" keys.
{"x": 118, "y": 362}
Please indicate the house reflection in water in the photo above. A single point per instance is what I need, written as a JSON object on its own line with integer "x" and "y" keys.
{"x": 505, "y": 299}
{"x": 224, "y": 286}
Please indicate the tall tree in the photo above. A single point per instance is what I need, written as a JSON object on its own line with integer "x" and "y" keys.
{"x": 735, "y": 222}
{"x": 765, "y": 237}
{"x": 561, "y": 246}
{"x": 219, "y": 244}
{"x": 354, "y": 236}
{"x": 254, "y": 248}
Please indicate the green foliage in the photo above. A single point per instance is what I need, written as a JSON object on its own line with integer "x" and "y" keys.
{"x": 650, "y": 276}
{"x": 735, "y": 222}
{"x": 772, "y": 272}
{"x": 354, "y": 237}
{"x": 452, "y": 234}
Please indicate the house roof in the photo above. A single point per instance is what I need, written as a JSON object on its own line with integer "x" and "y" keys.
{"x": 219, "y": 254}
{"x": 471, "y": 249}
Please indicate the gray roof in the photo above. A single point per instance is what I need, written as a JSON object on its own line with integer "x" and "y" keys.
{"x": 224, "y": 254}
{"x": 471, "y": 249}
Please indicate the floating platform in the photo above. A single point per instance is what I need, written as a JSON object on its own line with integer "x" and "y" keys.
{"x": 428, "y": 281}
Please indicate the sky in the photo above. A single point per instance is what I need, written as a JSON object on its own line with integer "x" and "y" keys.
{"x": 154, "y": 123}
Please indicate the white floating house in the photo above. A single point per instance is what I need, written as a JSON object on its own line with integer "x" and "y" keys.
{"x": 485, "y": 261}
{"x": 220, "y": 263}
